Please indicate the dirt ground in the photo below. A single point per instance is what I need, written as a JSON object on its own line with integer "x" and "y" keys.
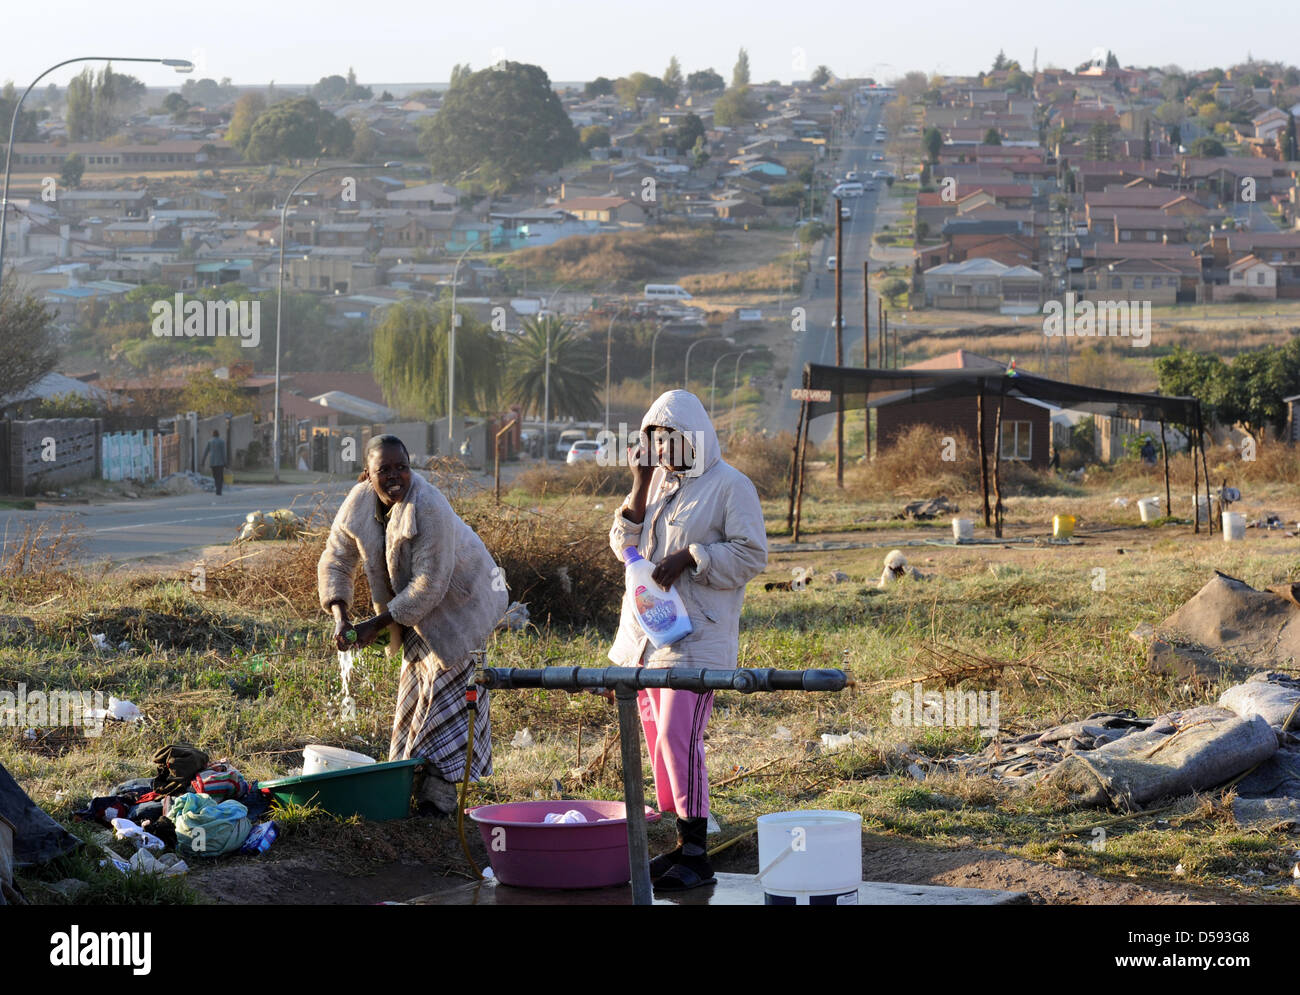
{"x": 294, "y": 876}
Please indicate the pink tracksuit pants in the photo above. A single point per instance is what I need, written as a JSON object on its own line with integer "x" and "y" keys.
{"x": 674, "y": 724}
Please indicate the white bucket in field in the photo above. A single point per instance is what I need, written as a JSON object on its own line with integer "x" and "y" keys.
{"x": 1149, "y": 509}
{"x": 812, "y": 857}
{"x": 323, "y": 759}
{"x": 1234, "y": 526}
{"x": 963, "y": 529}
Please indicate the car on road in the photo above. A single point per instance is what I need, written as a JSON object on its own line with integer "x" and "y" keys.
{"x": 566, "y": 440}
{"x": 869, "y": 185}
{"x": 877, "y": 157}
{"x": 585, "y": 450}
{"x": 912, "y": 177}
{"x": 846, "y": 214}
{"x": 851, "y": 176}
{"x": 830, "y": 263}
{"x": 845, "y": 190}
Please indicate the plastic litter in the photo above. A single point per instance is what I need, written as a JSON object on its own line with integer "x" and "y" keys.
{"x": 125, "y": 829}
{"x": 783, "y": 735}
{"x": 516, "y": 617}
{"x": 100, "y": 642}
{"x": 261, "y": 838}
{"x": 1120, "y": 502}
{"x": 523, "y": 738}
{"x": 834, "y": 742}
{"x": 566, "y": 818}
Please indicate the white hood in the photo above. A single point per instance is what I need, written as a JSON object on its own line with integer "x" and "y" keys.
{"x": 682, "y": 410}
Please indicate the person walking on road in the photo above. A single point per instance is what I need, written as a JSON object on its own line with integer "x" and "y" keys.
{"x": 215, "y": 456}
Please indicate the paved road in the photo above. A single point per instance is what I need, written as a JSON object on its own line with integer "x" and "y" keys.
{"x": 817, "y": 344}
{"x": 122, "y": 531}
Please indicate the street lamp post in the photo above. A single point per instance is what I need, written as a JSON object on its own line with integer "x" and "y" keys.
{"x": 735, "y": 386}
{"x": 713, "y": 381}
{"x": 654, "y": 341}
{"x": 546, "y": 389}
{"x": 609, "y": 339}
{"x": 451, "y": 354}
{"x": 279, "y": 297}
{"x": 180, "y": 65}
{"x": 686, "y": 373}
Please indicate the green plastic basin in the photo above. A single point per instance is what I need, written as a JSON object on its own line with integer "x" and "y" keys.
{"x": 376, "y": 791}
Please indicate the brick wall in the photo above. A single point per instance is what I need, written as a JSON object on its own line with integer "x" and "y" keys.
{"x": 959, "y": 414}
{"x": 73, "y": 444}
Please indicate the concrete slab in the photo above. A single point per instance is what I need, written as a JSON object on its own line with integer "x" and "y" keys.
{"x": 731, "y": 889}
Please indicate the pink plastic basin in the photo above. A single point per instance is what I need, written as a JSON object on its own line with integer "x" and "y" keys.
{"x": 529, "y": 853}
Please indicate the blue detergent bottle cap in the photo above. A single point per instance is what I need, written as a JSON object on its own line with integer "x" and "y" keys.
{"x": 630, "y": 555}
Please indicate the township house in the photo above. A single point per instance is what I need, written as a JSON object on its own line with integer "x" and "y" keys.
{"x": 1026, "y": 425}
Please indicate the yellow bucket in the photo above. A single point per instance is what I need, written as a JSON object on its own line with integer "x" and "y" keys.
{"x": 1063, "y": 526}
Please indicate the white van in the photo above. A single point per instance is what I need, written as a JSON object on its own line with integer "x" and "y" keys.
{"x": 665, "y": 292}
{"x": 847, "y": 190}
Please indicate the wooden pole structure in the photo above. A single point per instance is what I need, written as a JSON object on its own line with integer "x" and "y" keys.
{"x": 984, "y": 462}
{"x": 798, "y": 498}
{"x": 1164, "y": 451}
{"x": 884, "y": 332}
{"x": 794, "y": 464}
{"x": 839, "y": 341}
{"x": 1196, "y": 478}
{"x": 1205, "y": 472}
{"x": 997, "y": 462}
{"x": 866, "y": 356}
{"x": 880, "y": 331}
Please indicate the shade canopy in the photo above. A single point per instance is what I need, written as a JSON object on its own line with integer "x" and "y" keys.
{"x": 826, "y": 386}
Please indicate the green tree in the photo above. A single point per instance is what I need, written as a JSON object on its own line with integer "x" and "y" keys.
{"x": 25, "y": 131}
{"x": 573, "y": 360}
{"x": 690, "y": 131}
{"x": 73, "y": 168}
{"x": 364, "y": 140}
{"x": 27, "y": 348}
{"x": 1146, "y": 138}
{"x": 1289, "y": 147}
{"x": 673, "y": 80}
{"x": 594, "y": 136}
{"x": 821, "y": 76}
{"x": 505, "y": 124}
{"x": 175, "y": 105}
{"x": 601, "y": 86}
{"x": 1184, "y": 373}
{"x": 1000, "y": 61}
{"x": 248, "y": 109}
{"x": 740, "y": 72}
{"x": 114, "y": 96}
{"x": 992, "y": 137}
{"x": 639, "y": 86}
{"x": 1098, "y": 141}
{"x": 1207, "y": 147}
{"x": 892, "y": 289}
{"x": 296, "y": 129}
{"x": 705, "y": 81}
{"x": 932, "y": 139}
{"x": 410, "y": 360}
{"x": 209, "y": 395}
{"x": 735, "y": 107}
{"x": 80, "y": 114}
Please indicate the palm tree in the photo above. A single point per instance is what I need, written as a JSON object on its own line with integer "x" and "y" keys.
{"x": 410, "y": 360}
{"x": 573, "y": 389}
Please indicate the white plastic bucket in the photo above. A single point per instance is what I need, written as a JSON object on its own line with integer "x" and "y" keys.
{"x": 322, "y": 759}
{"x": 1234, "y": 526}
{"x": 1149, "y": 509}
{"x": 962, "y": 529}
{"x": 813, "y": 857}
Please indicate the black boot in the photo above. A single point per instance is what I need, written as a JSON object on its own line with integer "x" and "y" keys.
{"x": 692, "y": 869}
{"x": 660, "y": 865}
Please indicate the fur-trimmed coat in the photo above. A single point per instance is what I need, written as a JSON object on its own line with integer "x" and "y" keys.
{"x": 444, "y": 581}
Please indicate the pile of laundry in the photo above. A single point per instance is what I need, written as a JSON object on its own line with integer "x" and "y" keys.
{"x": 279, "y": 524}
{"x": 924, "y": 511}
{"x": 191, "y": 807}
{"x": 1246, "y": 740}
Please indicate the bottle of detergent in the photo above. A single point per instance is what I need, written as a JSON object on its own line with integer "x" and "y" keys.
{"x": 662, "y": 614}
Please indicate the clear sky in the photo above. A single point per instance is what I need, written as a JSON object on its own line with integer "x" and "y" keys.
{"x": 406, "y": 41}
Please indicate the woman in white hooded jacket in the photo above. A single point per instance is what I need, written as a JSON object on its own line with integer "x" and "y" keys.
{"x": 700, "y": 521}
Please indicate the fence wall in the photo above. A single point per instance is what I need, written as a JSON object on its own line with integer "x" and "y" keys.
{"x": 47, "y": 453}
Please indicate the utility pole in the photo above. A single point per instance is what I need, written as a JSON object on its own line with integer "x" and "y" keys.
{"x": 866, "y": 352}
{"x": 839, "y": 340}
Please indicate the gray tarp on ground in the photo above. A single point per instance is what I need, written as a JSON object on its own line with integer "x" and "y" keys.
{"x": 1181, "y": 752}
{"x": 37, "y": 837}
{"x": 1228, "y": 626}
